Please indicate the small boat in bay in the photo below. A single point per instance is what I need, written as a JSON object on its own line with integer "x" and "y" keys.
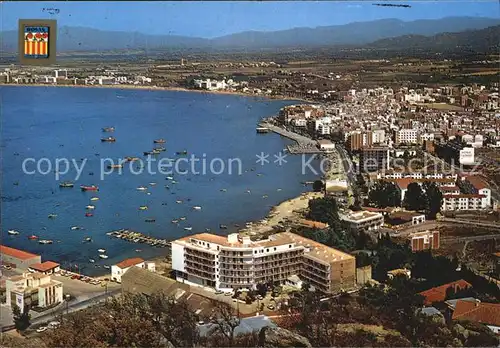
{"x": 169, "y": 178}
{"x": 33, "y": 237}
{"x": 89, "y": 188}
{"x": 52, "y": 216}
{"x": 91, "y": 260}
{"x": 161, "y": 149}
{"x": 87, "y": 240}
{"x": 180, "y": 153}
{"x": 223, "y": 227}
{"x": 94, "y": 199}
{"x": 183, "y": 218}
{"x": 107, "y": 266}
{"x": 178, "y": 201}
{"x": 143, "y": 207}
{"x": 188, "y": 228}
{"x": 175, "y": 221}
{"x": 142, "y": 188}
{"x": 102, "y": 251}
{"x": 108, "y": 140}
{"x": 90, "y": 207}
{"x": 74, "y": 228}
{"x": 45, "y": 241}
{"x": 108, "y": 129}
{"x": 150, "y": 220}
{"x": 159, "y": 141}
{"x": 13, "y": 232}
{"x": 196, "y": 207}
{"x": 115, "y": 166}
{"x": 66, "y": 184}
{"x": 131, "y": 159}
{"x": 102, "y": 256}
{"x": 89, "y": 214}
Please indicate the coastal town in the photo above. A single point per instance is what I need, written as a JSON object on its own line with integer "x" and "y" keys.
{"x": 415, "y": 165}
{"x": 377, "y": 223}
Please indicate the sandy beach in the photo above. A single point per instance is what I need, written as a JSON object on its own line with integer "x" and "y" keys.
{"x": 156, "y": 88}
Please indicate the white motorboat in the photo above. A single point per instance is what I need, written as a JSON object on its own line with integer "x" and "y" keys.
{"x": 90, "y": 207}
{"x": 13, "y": 232}
{"x": 142, "y": 188}
{"x": 102, "y": 251}
{"x": 102, "y": 256}
{"x": 91, "y": 260}
{"x": 197, "y": 207}
{"x": 188, "y": 228}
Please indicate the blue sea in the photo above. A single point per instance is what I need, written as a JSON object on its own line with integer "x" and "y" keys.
{"x": 52, "y": 123}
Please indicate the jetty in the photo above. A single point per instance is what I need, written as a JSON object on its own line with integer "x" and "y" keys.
{"x": 137, "y": 237}
{"x": 304, "y": 145}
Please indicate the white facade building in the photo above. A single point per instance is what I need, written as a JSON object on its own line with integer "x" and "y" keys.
{"x": 211, "y": 85}
{"x": 407, "y": 136}
{"x": 33, "y": 290}
{"x": 378, "y": 136}
{"x": 466, "y": 156}
{"x": 120, "y": 268}
{"x": 363, "y": 220}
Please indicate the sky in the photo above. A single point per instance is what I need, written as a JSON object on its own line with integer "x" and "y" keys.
{"x": 210, "y": 19}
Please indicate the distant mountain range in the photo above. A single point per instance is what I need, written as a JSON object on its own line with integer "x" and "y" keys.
{"x": 484, "y": 40}
{"x": 375, "y": 33}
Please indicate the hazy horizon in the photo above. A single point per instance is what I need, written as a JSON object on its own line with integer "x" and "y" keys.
{"x": 214, "y": 19}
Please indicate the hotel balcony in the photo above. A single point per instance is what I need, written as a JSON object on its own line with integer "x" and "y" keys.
{"x": 199, "y": 261}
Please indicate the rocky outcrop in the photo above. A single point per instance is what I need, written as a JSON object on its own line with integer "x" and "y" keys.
{"x": 279, "y": 337}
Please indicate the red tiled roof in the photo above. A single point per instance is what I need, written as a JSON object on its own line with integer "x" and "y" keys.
{"x": 477, "y": 182}
{"x": 19, "y": 254}
{"x": 485, "y": 313}
{"x": 438, "y": 294}
{"x": 44, "y": 266}
{"x": 129, "y": 262}
{"x": 313, "y": 224}
{"x": 449, "y": 188}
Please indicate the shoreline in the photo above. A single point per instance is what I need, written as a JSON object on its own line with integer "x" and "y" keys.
{"x": 156, "y": 88}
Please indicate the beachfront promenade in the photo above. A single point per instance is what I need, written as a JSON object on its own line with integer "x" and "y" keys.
{"x": 303, "y": 144}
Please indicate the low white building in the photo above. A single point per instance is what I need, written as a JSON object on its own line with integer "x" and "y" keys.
{"x": 209, "y": 84}
{"x": 33, "y": 290}
{"x": 362, "y": 220}
{"x": 326, "y": 145}
{"x": 120, "y": 268}
{"x": 466, "y": 156}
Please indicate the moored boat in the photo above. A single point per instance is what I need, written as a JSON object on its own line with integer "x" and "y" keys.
{"x": 115, "y": 166}
{"x": 33, "y": 237}
{"x": 184, "y": 152}
{"x": 13, "y": 232}
{"x": 223, "y": 227}
{"x": 102, "y": 256}
{"x": 52, "y": 216}
{"x": 102, "y": 251}
{"x": 175, "y": 221}
{"x": 188, "y": 228}
{"x": 108, "y": 140}
{"x": 159, "y": 141}
{"x": 108, "y": 129}
{"x": 87, "y": 240}
{"x": 66, "y": 184}
{"x": 89, "y": 188}
{"x": 131, "y": 159}
{"x": 89, "y": 214}
{"x": 90, "y": 207}
{"x": 91, "y": 260}
{"x": 94, "y": 199}
{"x": 196, "y": 207}
{"x": 143, "y": 207}
{"x": 45, "y": 241}
{"x": 142, "y": 188}
{"x": 150, "y": 220}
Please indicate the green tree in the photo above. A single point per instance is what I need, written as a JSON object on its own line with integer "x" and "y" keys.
{"x": 318, "y": 186}
{"x": 325, "y": 210}
{"x": 433, "y": 199}
{"x": 21, "y": 319}
{"x": 414, "y": 197}
{"x": 384, "y": 194}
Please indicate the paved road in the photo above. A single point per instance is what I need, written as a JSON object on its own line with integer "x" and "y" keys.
{"x": 471, "y": 238}
{"x": 471, "y": 223}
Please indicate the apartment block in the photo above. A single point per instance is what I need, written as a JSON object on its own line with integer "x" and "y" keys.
{"x": 374, "y": 158}
{"x": 358, "y": 139}
{"x": 33, "y": 290}
{"x": 236, "y": 262}
{"x": 427, "y": 240}
{"x": 407, "y": 136}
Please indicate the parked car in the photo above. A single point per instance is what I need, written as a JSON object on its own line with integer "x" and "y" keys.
{"x": 41, "y": 329}
{"x": 54, "y": 324}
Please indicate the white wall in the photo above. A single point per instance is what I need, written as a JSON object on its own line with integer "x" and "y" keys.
{"x": 178, "y": 257}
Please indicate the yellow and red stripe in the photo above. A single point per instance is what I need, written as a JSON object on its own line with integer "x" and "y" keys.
{"x": 32, "y": 47}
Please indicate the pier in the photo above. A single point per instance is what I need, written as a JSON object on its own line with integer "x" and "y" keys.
{"x": 303, "y": 145}
{"x": 137, "y": 237}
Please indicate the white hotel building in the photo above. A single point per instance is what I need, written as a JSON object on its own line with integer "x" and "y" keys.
{"x": 234, "y": 262}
